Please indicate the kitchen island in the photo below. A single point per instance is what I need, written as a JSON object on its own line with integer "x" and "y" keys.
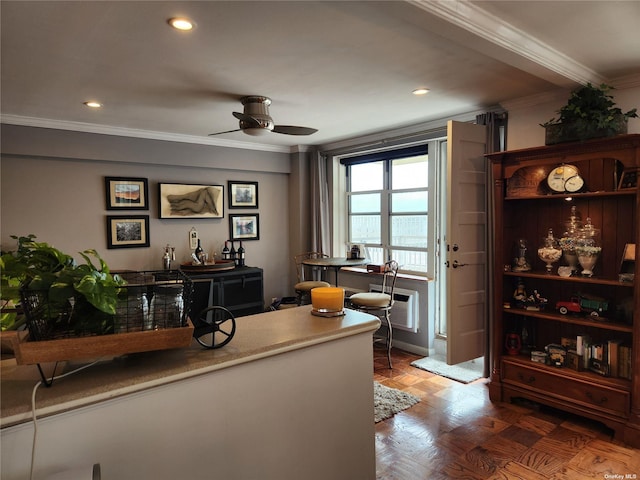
{"x": 290, "y": 397}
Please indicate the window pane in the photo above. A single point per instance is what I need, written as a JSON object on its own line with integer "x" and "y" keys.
{"x": 365, "y": 203}
{"x": 366, "y": 176}
{"x": 409, "y": 172}
{"x": 375, "y": 255}
{"x": 409, "y": 202}
{"x": 409, "y": 231}
{"x": 412, "y": 261}
{"x": 365, "y": 229}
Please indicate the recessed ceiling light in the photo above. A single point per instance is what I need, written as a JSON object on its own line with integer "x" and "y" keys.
{"x": 181, "y": 23}
{"x": 420, "y": 91}
{"x": 93, "y": 104}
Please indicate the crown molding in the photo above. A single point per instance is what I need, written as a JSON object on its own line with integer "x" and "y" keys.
{"x": 626, "y": 81}
{"x": 561, "y": 94}
{"x": 130, "y": 132}
{"x": 481, "y": 23}
{"x": 534, "y": 100}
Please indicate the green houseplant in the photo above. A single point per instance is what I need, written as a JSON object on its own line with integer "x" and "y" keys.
{"x": 72, "y": 298}
{"x": 589, "y": 113}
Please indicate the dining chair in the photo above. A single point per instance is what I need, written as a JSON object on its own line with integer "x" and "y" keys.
{"x": 303, "y": 287}
{"x": 380, "y": 304}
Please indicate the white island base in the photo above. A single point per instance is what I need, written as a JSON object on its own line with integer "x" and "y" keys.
{"x": 293, "y": 399}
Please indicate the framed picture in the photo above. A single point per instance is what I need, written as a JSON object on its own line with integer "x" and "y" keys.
{"x": 244, "y": 227}
{"x": 179, "y": 200}
{"x": 243, "y": 194}
{"x": 629, "y": 179}
{"x": 126, "y": 193}
{"x": 126, "y": 231}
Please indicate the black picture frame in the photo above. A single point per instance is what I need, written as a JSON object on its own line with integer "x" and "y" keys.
{"x": 187, "y": 200}
{"x": 629, "y": 179}
{"x": 127, "y": 231}
{"x": 242, "y": 194}
{"x": 126, "y": 193}
{"x": 244, "y": 226}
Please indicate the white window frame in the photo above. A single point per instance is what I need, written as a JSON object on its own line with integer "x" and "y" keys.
{"x": 340, "y": 204}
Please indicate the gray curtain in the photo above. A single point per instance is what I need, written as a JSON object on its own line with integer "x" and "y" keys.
{"x": 320, "y": 214}
{"x": 496, "y": 124}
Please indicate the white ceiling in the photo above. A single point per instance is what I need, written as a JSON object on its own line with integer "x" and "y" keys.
{"x": 346, "y": 68}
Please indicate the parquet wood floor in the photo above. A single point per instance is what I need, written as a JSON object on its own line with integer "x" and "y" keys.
{"x": 457, "y": 432}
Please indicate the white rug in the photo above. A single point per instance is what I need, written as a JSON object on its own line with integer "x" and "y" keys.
{"x": 389, "y": 401}
{"x": 465, "y": 372}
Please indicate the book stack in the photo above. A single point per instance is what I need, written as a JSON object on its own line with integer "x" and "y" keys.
{"x": 610, "y": 358}
{"x": 624, "y": 362}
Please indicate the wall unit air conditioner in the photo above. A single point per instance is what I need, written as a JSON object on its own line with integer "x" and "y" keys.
{"x": 404, "y": 314}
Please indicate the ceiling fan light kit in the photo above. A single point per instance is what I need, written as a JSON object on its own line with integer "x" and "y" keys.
{"x": 255, "y": 120}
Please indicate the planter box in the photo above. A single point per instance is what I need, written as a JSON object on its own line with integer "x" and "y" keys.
{"x": 561, "y": 133}
{"x": 28, "y": 352}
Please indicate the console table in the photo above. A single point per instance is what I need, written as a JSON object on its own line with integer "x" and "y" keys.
{"x": 240, "y": 290}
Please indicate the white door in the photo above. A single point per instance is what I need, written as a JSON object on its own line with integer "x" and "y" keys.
{"x": 465, "y": 242}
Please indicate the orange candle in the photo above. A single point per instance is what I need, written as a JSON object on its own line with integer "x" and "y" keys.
{"x": 327, "y": 299}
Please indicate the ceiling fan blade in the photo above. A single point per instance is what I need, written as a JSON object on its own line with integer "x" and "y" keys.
{"x": 228, "y": 131}
{"x": 243, "y": 117}
{"x": 293, "y": 130}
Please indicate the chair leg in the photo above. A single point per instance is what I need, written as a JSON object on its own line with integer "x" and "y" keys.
{"x": 389, "y": 337}
{"x": 303, "y": 297}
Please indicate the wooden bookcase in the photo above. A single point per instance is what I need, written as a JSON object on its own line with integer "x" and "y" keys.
{"x": 525, "y": 208}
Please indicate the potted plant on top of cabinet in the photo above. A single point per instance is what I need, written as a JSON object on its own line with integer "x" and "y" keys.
{"x": 590, "y": 112}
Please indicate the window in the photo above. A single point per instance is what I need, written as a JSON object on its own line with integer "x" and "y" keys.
{"x": 387, "y": 201}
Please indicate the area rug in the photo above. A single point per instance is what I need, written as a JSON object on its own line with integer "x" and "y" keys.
{"x": 389, "y": 401}
{"x": 465, "y": 372}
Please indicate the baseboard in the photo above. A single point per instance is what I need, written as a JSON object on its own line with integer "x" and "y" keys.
{"x": 408, "y": 347}
{"x": 440, "y": 346}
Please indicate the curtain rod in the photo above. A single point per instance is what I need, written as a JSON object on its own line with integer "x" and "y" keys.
{"x": 386, "y": 141}
{"x": 498, "y": 111}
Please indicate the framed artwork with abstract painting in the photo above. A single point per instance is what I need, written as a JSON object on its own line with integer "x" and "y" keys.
{"x": 178, "y": 200}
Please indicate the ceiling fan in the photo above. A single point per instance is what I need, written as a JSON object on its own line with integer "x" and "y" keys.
{"x": 255, "y": 120}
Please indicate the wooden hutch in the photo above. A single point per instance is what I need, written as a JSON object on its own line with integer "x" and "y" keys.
{"x": 525, "y": 208}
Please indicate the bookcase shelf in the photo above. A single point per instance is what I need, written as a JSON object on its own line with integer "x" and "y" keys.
{"x": 524, "y": 208}
{"x": 571, "y": 319}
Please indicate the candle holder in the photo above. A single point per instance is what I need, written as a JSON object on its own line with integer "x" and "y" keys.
{"x": 327, "y": 301}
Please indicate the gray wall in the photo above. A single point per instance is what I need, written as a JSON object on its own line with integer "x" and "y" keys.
{"x": 52, "y": 185}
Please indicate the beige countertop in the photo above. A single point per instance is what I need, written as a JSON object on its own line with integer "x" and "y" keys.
{"x": 256, "y": 337}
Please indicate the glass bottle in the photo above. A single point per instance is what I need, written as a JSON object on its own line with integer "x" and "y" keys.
{"x": 549, "y": 252}
{"x": 588, "y": 248}
{"x": 199, "y": 252}
{"x": 132, "y": 310}
{"x": 167, "y": 307}
{"x": 240, "y": 255}
{"x": 569, "y": 238}
{"x": 232, "y": 253}
{"x": 226, "y": 255}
